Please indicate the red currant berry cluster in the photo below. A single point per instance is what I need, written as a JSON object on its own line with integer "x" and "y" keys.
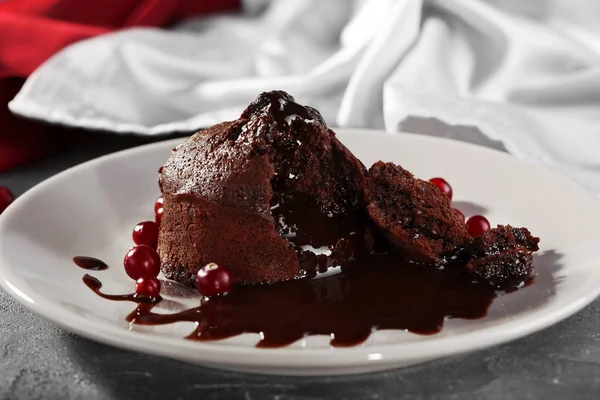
{"x": 477, "y": 224}
{"x": 142, "y": 262}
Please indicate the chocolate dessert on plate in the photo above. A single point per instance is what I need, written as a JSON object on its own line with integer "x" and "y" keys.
{"x": 285, "y": 233}
{"x": 275, "y": 196}
{"x": 269, "y": 195}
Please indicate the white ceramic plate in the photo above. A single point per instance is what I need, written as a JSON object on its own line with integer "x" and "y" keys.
{"x": 91, "y": 209}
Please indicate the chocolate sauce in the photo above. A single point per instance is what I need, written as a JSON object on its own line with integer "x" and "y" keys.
{"x": 284, "y": 109}
{"x": 321, "y": 240}
{"x": 95, "y": 285}
{"x": 384, "y": 293}
{"x": 301, "y": 221}
{"x": 90, "y": 263}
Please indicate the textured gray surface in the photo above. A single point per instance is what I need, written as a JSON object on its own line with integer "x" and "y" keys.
{"x": 41, "y": 361}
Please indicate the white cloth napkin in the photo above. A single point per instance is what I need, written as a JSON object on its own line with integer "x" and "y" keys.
{"x": 518, "y": 75}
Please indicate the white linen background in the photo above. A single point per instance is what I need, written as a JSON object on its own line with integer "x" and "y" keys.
{"x": 525, "y": 74}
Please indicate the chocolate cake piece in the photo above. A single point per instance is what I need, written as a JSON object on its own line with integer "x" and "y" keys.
{"x": 502, "y": 270}
{"x": 412, "y": 214}
{"x": 503, "y": 256}
{"x": 501, "y": 238}
{"x": 260, "y": 193}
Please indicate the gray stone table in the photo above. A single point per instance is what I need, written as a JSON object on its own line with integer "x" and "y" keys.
{"x": 41, "y": 361}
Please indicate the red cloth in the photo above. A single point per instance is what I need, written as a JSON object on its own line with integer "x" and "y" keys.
{"x": 33, "y": 30}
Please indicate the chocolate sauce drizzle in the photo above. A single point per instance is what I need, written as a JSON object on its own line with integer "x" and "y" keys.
{"x": 283, "y": 107}
{"x": 90, "y": 263}
{"x": 385, "y": 292}
{"x": 95, "y": 285}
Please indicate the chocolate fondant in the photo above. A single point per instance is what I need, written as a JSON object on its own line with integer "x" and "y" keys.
{"x": 259, "y": 193}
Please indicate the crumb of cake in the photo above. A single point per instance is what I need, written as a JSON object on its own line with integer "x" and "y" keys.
{"x": 505, "y": 269}
{"x": 503, "y": 256}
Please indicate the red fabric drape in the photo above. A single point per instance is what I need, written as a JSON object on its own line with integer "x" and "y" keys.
{"x": 33, "y": 30}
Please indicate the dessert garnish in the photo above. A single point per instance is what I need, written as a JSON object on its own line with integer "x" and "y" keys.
{"x": 477, "y": 225}
{"x": 285, "y": 233}
{"x": 142, "y": 261}
{"x": 213, "y": 280}
{"x": 6, "y": 198}
{"x": 443, "y": 185}
{"x": 158, "y": 214}
{"x": 158, "y": 204}
{"x": 147, "y": 287}
{"x": 146, "y": 233}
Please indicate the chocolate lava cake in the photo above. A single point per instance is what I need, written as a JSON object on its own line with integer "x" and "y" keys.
{"x": 412, "y": 214}
{"x": 272, "y": 196}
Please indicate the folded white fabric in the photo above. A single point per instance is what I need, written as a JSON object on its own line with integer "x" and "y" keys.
{"x": 525, "y": 74}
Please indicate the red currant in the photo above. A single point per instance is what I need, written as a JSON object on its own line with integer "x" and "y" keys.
{"x": 213, "y": 279}
{"x": 477, "y": 225}
{"x": 460, "y": 214}
{"x": 159, "y": 214}
{"x": 142, "y": 262}
{"x": 147, "y": 287}
{"x": 6, "y": 198}
{"x": 146, "y": 233}
{"x": 158, "y": 204}
{"x": 444, "y": 186}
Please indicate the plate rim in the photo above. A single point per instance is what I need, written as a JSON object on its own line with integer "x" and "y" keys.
{"x": 216, "y": 353}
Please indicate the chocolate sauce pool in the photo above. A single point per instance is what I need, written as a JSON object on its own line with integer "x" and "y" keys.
{"x": 385, "y": 292}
